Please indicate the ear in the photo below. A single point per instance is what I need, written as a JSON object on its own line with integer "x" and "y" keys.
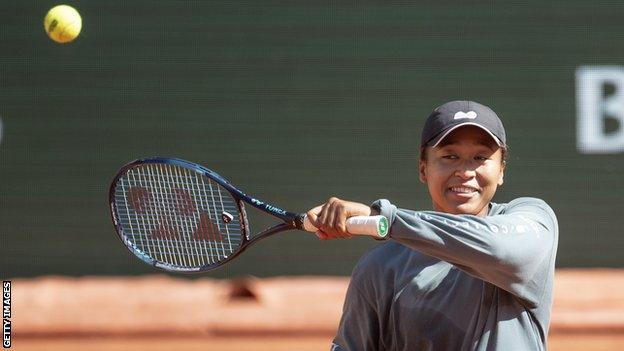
{"x": 422, "y": 171}
{"x": 502, "y": 173}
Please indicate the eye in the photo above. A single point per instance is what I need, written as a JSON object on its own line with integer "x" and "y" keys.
{"x": 450, "y": 157}
{"x": 481, "y": 158}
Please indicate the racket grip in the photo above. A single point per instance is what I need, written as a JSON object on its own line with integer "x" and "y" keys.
{"x": 375, "y": 226}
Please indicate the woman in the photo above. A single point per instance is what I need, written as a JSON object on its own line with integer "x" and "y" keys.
{"x": 469, "y": 275}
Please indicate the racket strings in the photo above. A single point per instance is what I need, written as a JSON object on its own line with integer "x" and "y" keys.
{"x": 176, "y": 216}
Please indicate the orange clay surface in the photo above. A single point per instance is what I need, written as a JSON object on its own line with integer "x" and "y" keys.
{"x": 581, "y": 342}
{"x": 163, "y": 313}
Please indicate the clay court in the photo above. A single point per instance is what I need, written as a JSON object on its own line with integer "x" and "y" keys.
{"x": 275, "y": 343}
{"x": 164, "y": 313}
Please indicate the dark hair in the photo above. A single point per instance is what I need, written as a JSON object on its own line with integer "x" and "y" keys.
{"x": 504, "y": 152}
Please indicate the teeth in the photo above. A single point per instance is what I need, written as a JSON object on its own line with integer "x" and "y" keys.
{"x": 460, "y": 189}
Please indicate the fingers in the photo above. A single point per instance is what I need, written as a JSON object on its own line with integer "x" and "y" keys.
{"x": 340, "y": 223}
{"x": 331, "y": 217}
{"x": 313, "y": 215}
{"x": 330, "y": 214}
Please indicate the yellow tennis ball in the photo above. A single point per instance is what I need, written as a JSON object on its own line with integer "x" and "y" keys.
{"x": 62, "y": 23}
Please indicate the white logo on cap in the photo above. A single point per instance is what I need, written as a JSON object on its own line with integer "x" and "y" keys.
{"x": 463, "y": 115}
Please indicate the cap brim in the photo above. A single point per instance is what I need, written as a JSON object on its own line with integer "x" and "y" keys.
{"x": 443, "y": 135}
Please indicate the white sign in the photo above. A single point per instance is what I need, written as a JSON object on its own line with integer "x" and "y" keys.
{"x": 593, "y": 107}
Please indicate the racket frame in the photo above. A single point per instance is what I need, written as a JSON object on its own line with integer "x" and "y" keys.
{"x": 290, "y": 220}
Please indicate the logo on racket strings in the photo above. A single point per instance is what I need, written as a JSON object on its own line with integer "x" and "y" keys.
{"x": 169, "y": 214}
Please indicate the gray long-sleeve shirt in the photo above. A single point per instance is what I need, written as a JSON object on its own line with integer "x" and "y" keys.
{"x": 455, "y": 282}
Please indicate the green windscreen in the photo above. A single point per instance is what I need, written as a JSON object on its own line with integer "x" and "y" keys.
{"x": 295, "y": 102}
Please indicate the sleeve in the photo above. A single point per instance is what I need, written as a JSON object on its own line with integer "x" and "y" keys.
{"x": 359, "y": 324}
{"x": 513, "y": 251}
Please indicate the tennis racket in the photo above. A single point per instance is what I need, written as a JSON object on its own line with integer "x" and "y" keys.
{"x": 182, "y": 217}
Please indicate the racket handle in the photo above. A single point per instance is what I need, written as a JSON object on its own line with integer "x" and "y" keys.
{"x": 375, "y": 226}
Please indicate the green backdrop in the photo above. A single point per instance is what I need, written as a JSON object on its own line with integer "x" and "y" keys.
{"x": 294, "y": 102}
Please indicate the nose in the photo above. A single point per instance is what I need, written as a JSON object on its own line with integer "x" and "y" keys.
{"x": 465, "y": 171}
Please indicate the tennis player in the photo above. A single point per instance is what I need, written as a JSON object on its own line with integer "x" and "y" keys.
{"x": 469, "y": 274}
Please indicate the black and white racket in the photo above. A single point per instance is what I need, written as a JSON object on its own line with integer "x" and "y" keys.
{"x": 180, "y": 216}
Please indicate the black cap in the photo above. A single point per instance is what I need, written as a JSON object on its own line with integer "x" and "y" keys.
{"x": 454, "y": 114}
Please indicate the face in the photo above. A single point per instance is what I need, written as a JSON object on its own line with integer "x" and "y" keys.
{"x": 463, "y": 172}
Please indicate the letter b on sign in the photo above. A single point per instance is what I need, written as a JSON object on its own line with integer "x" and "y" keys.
{"x": 594, "y": 106}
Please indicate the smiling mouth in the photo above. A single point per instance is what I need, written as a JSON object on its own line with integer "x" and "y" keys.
{"x": 463, "y": 190}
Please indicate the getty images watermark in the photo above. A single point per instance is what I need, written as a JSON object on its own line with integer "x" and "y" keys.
{"x": 6, "y": 314}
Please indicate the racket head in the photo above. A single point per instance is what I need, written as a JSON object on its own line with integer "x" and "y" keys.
{"x": 177, "y": 215}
